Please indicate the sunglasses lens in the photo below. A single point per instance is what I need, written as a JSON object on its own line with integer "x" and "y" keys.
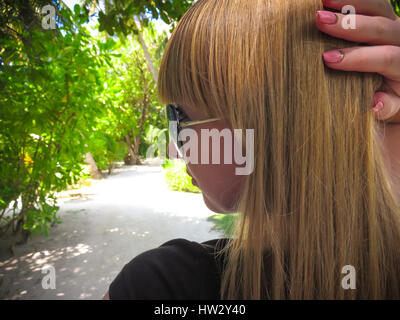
{"x": 173, "y": 128}
{"x": 171, "y": 113}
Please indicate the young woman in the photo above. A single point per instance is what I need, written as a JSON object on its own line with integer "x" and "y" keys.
{"x": 322, "y": 195}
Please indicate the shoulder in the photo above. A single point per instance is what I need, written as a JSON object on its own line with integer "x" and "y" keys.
{"x": 178, "y": 269}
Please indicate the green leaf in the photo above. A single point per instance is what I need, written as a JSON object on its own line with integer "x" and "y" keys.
{"x": 77, "y": 10}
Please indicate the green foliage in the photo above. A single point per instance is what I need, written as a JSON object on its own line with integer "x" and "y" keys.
{"x": 224, "y": 222}
{"x": 177, "y": 178}
{"x": 154, "y": 139}
{"x": 105, "y": 149}
{"x": 49, "y": 100}
{"x": 64, "y": 93}
{"x": 396, "y": 6}
{"x": 118, "y": 15}
{"x": 130, "y": 96}
{"x": 39, "y": 219}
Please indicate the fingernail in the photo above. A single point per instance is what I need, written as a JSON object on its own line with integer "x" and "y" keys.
{"x": 327, "y": 17}
{"x": 333, "y": 56}
{"x": 378, "y": 107}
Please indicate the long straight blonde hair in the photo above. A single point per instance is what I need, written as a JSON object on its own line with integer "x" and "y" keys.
{"x": 320, "y": 197}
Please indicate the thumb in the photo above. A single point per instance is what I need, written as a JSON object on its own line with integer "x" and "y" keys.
{"x": 387, "y": 107}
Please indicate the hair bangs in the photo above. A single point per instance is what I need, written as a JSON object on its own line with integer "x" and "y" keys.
{"x": 189, "y": 71}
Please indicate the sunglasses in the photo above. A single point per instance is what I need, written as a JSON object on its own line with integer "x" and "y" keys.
{"x": 176, "y": 121}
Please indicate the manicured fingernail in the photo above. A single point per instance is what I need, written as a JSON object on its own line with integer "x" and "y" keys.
{"x": 378, "y": 106}
{"x": 333, "y": 56}
{"x": 327, "y": 17}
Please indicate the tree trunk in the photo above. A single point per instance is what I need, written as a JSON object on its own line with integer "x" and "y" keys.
{"x": 20, "y": 234}
{"x": 110, "y": 167}
{"x": 148, "y": 58}
{"x": 94, "y": 170}
{"x": 146, "y": 52}
{"x": 136, "y": 144}
{"x": 132, "y": 158}
{"x": 134, "y": 148}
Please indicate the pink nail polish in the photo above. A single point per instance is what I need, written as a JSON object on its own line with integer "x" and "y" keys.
{"x": 378, "y": 107}
{"x": 333, "y": 56}
{"x": 327, "y": 17}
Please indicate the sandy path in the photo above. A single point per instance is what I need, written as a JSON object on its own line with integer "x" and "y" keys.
{"x": 127, "y": 213}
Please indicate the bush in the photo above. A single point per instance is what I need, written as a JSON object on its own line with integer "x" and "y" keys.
{"x": 106, "y": 149}
{"x": 224, "y": 222}
{"x": 177, "y": 178}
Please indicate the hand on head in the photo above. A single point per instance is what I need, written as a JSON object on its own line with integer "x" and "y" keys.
{"x": 377, "y": 25}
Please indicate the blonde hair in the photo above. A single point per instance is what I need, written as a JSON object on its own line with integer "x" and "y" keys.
{"x": 320, "y": 196}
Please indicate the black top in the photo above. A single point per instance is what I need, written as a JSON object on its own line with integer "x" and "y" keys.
{"x": 179, "y": 269}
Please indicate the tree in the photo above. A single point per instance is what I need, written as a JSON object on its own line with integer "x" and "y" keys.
{"x": 125, "y": 18}
{"x": 49, "y": 100}
{"x": 67, "y": 98}
{"x": 132, "y": 96}
{"x": 119, "y": 17}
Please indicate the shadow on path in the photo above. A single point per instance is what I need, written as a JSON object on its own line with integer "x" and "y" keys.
{"x": 109, "y": 223}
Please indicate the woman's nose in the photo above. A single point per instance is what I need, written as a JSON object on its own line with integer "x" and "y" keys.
{"x": 172, "y": 152}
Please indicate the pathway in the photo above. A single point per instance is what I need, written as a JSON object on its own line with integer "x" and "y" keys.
{"x": 103, "y": 228}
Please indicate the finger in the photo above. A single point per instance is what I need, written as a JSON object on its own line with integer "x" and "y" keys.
{"x": 359, "y": 28}
{"x": 384, "y": 60}
{"x": 380, "y": 8}
{"x": 387, "y": 107}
